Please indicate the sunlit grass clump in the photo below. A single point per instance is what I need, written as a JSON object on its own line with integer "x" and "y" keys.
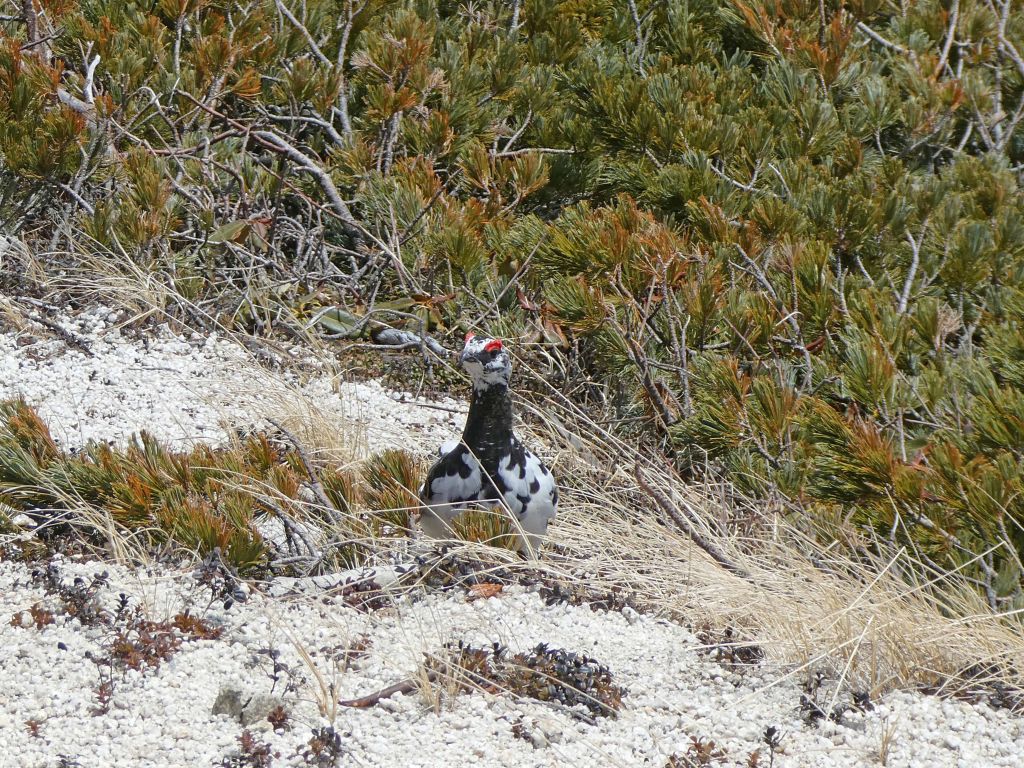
{"x": 391, "y": 478}
{"x": 482, "y": 526}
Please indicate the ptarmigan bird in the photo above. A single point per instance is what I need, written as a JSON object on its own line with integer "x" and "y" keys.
{"x": 489, "y": 467}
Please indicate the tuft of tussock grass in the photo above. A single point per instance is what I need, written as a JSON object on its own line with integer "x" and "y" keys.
{"x": 391, "y": 478}
{"x": 485, "y": 526}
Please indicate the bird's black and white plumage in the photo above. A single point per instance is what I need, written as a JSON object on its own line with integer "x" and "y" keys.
{"x": 489, "y": 467}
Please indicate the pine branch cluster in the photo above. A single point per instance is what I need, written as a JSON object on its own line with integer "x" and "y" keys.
{"x": 786, "y": 239}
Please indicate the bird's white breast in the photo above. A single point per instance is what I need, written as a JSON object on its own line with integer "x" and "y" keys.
{"x": 528, "y": 490}
{"x": 531, "y": 495}
{"x": 449, "y": 488}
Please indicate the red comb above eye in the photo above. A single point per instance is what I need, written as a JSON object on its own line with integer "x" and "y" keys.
{"x": 493, "y": 346}
{"x": 469, "y": 336}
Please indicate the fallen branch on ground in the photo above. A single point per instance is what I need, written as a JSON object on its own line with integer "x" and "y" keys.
{"x": 405, "y": 686}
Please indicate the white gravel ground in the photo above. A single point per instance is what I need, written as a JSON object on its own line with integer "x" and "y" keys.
{"x": 189, "y": 389}
{"x": 181, "y": 389}
{"x": 163, "y": 717}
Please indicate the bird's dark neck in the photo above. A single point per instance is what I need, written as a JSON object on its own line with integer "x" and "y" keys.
{"x": 488, "y": 431}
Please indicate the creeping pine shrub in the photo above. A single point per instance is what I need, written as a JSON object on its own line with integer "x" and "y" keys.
{"x": 782, "y": 241}
{"x": 391, "y": 479}
{"x": 197, "y": 500}
{"x": 203, "y": 500}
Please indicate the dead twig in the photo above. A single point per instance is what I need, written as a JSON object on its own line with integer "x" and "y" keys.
{"x": 69, "y": 337}
{"x": 687, "y": 527}
{"x": 405, "y": 686}
{"x": 279, "y": 144}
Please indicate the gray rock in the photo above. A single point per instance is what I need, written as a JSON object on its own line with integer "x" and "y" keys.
{"x": 552, "y": 728}
{"x": 244, "y": 706}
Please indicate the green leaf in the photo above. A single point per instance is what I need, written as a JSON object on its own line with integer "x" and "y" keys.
{"x": 232, "y": 232}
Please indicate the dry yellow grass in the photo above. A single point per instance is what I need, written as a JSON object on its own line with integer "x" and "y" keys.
{"x": 878, "y": 622}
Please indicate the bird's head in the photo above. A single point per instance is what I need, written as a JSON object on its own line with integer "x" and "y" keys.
{"x": 486, "y": 361}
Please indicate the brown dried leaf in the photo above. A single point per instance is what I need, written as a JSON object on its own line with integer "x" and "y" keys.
{"x": 479, "y": 591}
